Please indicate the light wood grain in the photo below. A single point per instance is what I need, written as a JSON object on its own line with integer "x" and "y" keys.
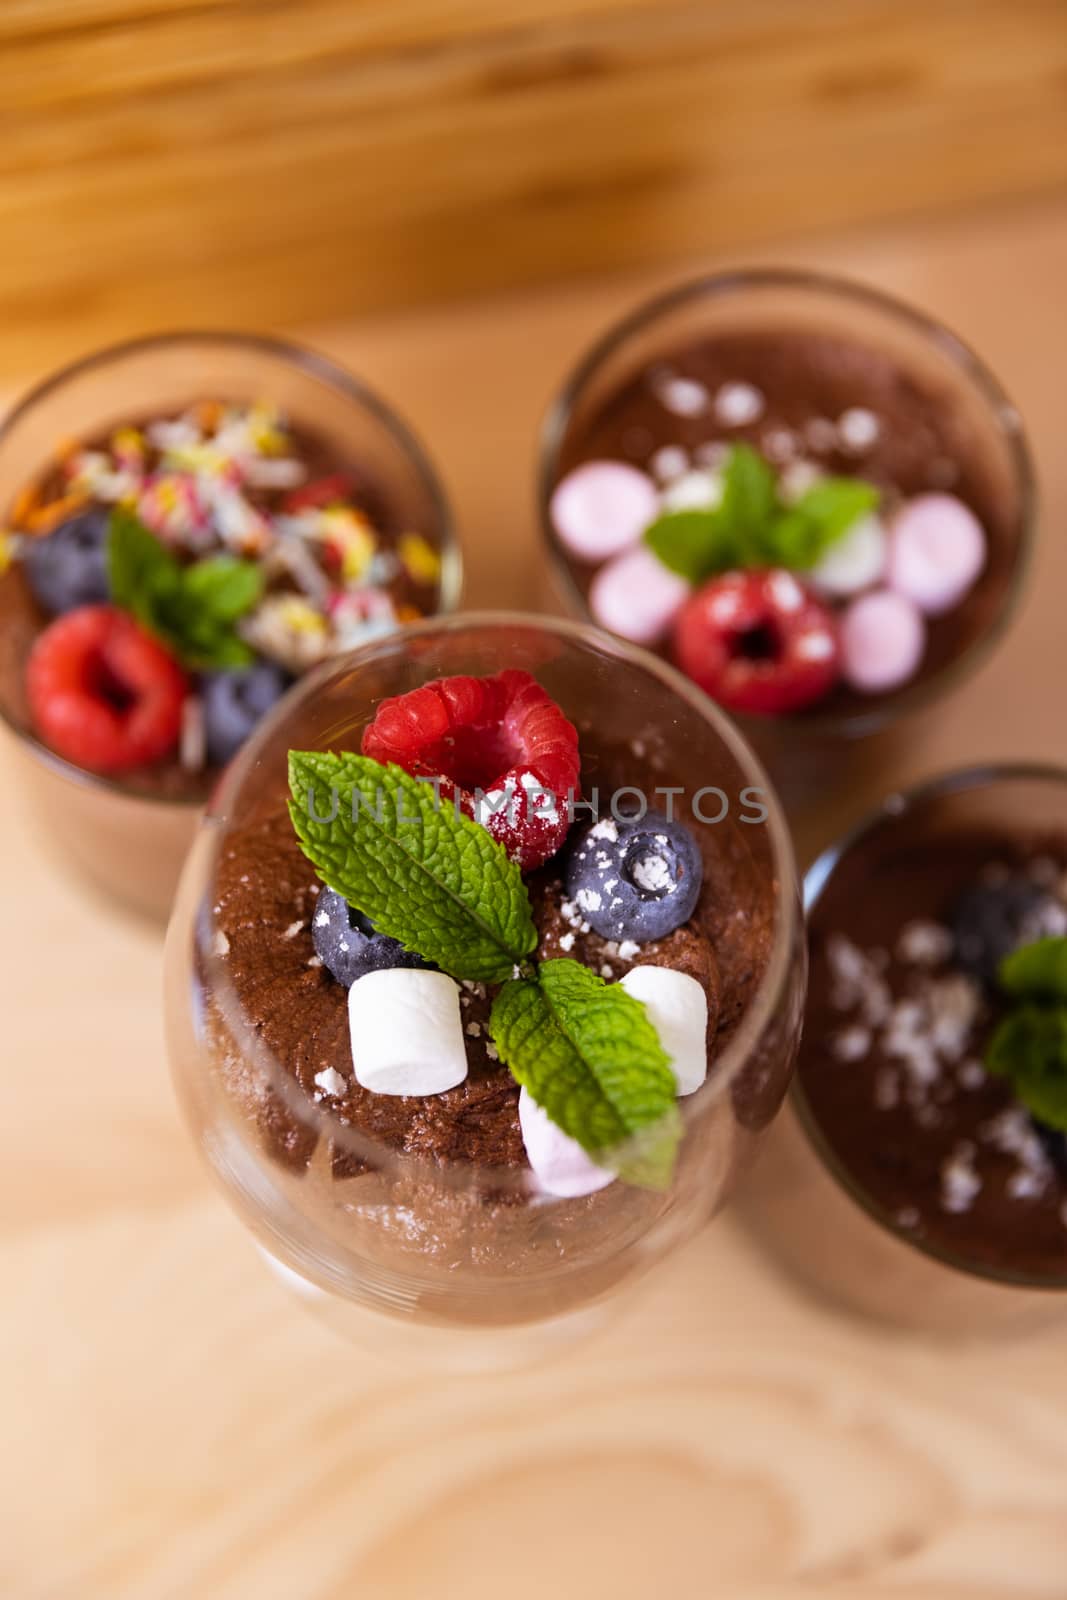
{"x": 226, "y": 161}
{"x": 177, "y": 1427}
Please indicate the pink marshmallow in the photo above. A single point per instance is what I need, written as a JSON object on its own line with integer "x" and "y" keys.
{"x": 937, "y": 549}
{"x": 559, "y": 1163}
{"x": 603, "y": 507}
{"x": 883, "y": 637}
{"x": 636, "y": 596}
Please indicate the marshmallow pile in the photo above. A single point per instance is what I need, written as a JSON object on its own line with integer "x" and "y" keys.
{"x": 885, "y": 577}
{"x": 407, "y": 1037}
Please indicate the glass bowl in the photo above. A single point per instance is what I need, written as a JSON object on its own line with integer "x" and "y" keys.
{"x": 459, "y": 1246}
{"x": 808, "y": 751}
{"x": 129, "y": 841}
{"x": 809, "y": 1207}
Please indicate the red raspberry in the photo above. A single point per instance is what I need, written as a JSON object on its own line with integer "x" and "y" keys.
{"x": 103, "y": 693}
{"x": 758, "y": 642}
{"x": 504, "y": 736}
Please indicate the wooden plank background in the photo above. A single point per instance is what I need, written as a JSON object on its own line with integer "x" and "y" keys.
{"x": 257, "y": 162}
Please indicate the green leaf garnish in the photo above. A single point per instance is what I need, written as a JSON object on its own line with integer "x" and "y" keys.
{"x": 1030, "y": 1048}
{"x": 190, "y": 609}
{"x": 424, "y": 874}
{"x": 695, "y": 544}
{"x": 591, "y": 1059}
{"x": 1036, "y": 972}
{"x": 751, "y": 527}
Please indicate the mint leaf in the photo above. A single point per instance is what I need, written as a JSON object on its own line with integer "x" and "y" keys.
{"x": 749, "y": 502}
{"x": 1036, "y": 972}
{"x": 191, "y": 610}
{"x": 139, "y": 566}
{"x": 424, "y": 875}
{"x": 591, "y": 1059}
{"x": 225, "y": 587}
{"x": 1030, "y": 1048}
{"x": 801, "y": 536}
{"x": 695, "y": 544}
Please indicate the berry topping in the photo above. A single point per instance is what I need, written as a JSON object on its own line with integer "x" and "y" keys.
{"x": 991, "y": 921}
{"x": 1054, "y": 1142}
{"x": 758, "y": 642}
{"x": 103, "y": 693}
{"x": 348, "y": 944}
{"x": 68, "y": 568}
{"x": 500, "y": 744}
{"x": 883, "y": 637}
{"x": 634, "y": 878}
{"x": 603, "y": 507}
{"x": 235, "y": 701}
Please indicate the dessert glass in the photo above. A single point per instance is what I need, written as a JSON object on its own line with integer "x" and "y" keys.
{"x": 130, "y": 842}
{"x": 808, "y": 1208}
{"x": 808, "y": 751}
{"x": 463, "y": 1247}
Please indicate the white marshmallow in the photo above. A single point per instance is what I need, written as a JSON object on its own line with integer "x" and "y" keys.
{"x": 677, "y": 1008}
{"x": 858, "y": 429}
{"x": 883, "y": 637}
{"x": 406, "y": 1031}
{"x": 857, "y": 560}
{"x": 693, "y": 491}
{"x": 937, "y": 549}
{"x": 637, "y": 597}
{"x": 559, "y": 1163}
{"x": 797, "y": 478}
{"x": 602, "y": 507}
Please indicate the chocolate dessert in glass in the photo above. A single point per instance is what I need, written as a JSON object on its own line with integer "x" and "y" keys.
{"x": 189, "y": 523}
{"x": 920, "y": 1172}
{"x": 816, "y": 501}
{"x": 485, "y": 975}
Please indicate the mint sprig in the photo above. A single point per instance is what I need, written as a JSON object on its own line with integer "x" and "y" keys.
{"x": 191, "y": 609}
{"x": 1030, "y": 1048}
{"x": 432, "y": 878}
{"x": 591, "y": 1059}
{"x": 423, "y": 874}
{"x": 752, "y": 527}
{"x": 1030, "y": 1045}
{"x": 1036, "y": 972}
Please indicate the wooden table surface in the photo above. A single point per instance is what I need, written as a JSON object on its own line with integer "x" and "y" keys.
{"x": 176, "y": 1427}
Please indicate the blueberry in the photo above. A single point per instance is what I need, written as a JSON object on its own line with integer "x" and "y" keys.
{"x": 348, "y": 944}
{"x": 635, "y": 878}
{"x": 989, "y": 921}
{"x": 1054, "y": 1142}
{"x": 234, "y": 703}
{"x": 68, "y": 567}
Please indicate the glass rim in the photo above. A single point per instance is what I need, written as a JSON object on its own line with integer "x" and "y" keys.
{"x": 894, "y": 806}
{"x": 715, "y": 285}
{"x": 332, "y": 375}
{"x": 459, "y": 1174}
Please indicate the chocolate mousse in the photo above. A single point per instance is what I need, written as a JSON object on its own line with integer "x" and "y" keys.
{"x": 673, "y": 508}
{"x": 250, "y": 550}
{"x": 267, "y": 897}
{"x": 898, "y": 1070}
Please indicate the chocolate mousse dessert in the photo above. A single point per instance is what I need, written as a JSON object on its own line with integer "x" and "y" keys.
{"x": 164, "y": 583}
{"x": 934, "y": 1060}
{"x": 412, "y": 1041}
{"x": 802, "y": 518}
{"x": 483, "y": 984}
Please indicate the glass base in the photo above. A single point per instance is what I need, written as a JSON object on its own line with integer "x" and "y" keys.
{"x": 435, "y": 1345}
